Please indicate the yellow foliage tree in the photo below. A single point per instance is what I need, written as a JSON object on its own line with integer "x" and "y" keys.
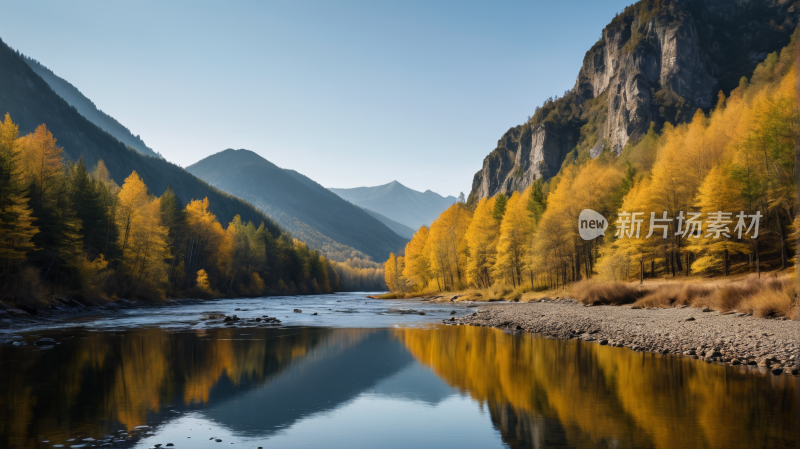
{"x": 482, "y": 235}
{"x": 516, "y": 230}
{"x": 447, "y": 247}
{"x": 144, "y": 259}
{"x": 417, "y": 261}
{"x": 718, "y": 194}
{"x": 207, "y": 241}
{"x": 202, "y": 281}
{"x": 16, "y": 217}
{"x": 41, "y": 163}
{"x": 133, "y": 198}
{"x": 393, "y": 272}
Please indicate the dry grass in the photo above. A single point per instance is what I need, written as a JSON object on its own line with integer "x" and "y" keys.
{"x": 390, "y": 295}
{"x": 672, "y": 294}
{"x": 748, "y": 294}
{"x": 493, "y": 293}
{"x": 776, "y": 297}
{"x": 595, "y": 292}
{"x": 761, "y": 297}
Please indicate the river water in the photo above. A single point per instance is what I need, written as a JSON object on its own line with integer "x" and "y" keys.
{"x": 368, "y": 373}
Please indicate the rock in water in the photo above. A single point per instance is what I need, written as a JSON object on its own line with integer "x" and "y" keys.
{"x": 298, "y": 311}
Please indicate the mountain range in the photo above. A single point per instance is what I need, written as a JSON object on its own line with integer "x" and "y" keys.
{"x": 656, "y": 62}
{"x": 34, "y": 95}
{"x": 406, "y": 206}
{"x": 31, "y": 101}
{"x": 309, "y": 211}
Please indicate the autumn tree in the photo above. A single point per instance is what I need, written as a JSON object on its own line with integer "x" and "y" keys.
{"x": 447, "y": 247}
{"x": 516, "y": 230}
{"x": 59, "y": 238}
{"x": 393, "y": 272}
{"x": 16, "y": 217}
{"x": 482, "y": 235}
{"x": 417, "y": 260}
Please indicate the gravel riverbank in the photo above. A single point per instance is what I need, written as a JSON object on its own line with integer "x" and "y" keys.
{"x": 730, "y": 338}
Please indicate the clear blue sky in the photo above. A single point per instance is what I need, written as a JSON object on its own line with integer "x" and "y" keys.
{"x": 349, "y": 93}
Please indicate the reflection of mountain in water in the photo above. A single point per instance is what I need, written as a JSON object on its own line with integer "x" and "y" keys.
{"x": 106, "y": 382}
{"x": 251, "y": 382}
{"x": 320, "y": 383}
{"x": 414, "y": 383}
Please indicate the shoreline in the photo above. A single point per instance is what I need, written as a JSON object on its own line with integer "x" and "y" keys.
{"x": 18, "y": 319}
{"x": 727, "y": 338}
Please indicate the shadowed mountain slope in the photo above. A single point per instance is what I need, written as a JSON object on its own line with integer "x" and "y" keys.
{"x": 87, "y": 108}
{"x": 278, "y": 191}
{"x": 31, "y": 102}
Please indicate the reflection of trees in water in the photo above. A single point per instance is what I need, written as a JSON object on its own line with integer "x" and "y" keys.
{"x": 545, "y": 393}
{"x": 121, "y": 378}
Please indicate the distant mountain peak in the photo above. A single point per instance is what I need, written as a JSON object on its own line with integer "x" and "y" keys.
{"x": 307, "y": 209}
{"x": 399, "y": 203}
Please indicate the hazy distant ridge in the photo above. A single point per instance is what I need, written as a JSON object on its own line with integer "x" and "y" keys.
{"x": 399, "y": 203}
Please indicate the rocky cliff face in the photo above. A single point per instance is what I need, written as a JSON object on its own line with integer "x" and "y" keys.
{"x": 657, "y": 62}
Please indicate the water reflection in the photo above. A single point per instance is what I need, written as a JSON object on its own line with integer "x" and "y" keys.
{"x": 545, "y": 393}
{"x": 300, "y": 386}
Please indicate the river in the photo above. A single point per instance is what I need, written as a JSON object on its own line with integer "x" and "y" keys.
{"x": 367, "y": 373}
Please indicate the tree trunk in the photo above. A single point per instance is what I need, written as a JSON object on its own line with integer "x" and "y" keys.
{"x": 641, "y": 270}
{"x": 653, "y": 267}
{"x": 725, "y": 259}
{"x": 782, "y": 229}
{"x": 688, "y": 270}
{"x": 758, "y": 262}
{"x": 678, "y": 253}
{"x": 672, "y": 262}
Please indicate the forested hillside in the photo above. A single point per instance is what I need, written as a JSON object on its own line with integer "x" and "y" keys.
{"x": 74, "y": 138}
{"x": 74, "y": 234}
{"x": 31, "y": 102}
{"x": 305, "y": 203}
{"x": 730, "y": 171}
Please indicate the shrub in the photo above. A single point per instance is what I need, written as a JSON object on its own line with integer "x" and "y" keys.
{"x": 595, "y": 292}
